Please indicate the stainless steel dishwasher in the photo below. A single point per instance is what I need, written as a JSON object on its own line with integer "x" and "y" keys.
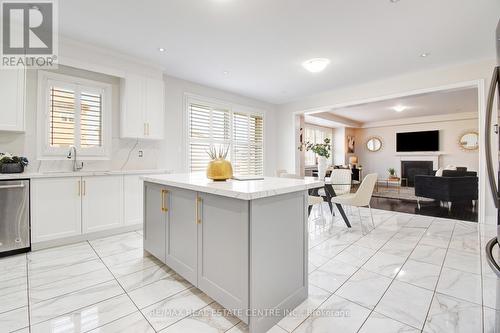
{"x": 14, "y": 216}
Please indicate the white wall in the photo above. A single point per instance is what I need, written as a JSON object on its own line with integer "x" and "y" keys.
{"x": 124, "y": 152}
{"x": 389, "y": 88}
{"x": 339, "y": 145}
{"x": 174, "y": 148}
{"x": 99, "y": 64}
{"x": 449, "y": 133}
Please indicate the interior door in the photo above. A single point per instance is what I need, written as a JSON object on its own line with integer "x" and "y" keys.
{"x": 182, "y": 232}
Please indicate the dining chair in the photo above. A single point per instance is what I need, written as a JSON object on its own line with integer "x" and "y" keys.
{"x": 312, "y": 199}
{"x": 362, "y": 196}
{"x": 341, "y": 184}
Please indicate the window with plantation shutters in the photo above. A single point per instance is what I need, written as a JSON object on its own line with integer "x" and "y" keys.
{"x": 76, "y": 114}
{"x": 208, "y": 126}
{"x": 248, "y": 151}
{"x": 213, "y": 125}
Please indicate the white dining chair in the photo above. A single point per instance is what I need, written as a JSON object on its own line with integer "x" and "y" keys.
{"x": 362, "y": 196}
{"x": 312, "y": 199}
{"x": 341, "y": 183}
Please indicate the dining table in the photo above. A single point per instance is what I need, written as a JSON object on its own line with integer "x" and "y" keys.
{"x": 329, "y": 194}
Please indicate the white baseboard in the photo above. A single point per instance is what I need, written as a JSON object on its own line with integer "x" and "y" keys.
{"x": 82, "y": 238}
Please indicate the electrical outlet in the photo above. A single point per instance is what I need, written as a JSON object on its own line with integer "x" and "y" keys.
{"x": 141, "y": 153}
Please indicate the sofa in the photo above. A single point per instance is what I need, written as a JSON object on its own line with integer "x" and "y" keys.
{"x": 453, "y": 186}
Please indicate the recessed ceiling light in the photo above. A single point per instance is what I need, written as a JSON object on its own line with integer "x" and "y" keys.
{"x": 399, "y": 108}
{"x": 225, "y": 73}
{"x": 425, "y": 55}
{"x": 161, "y": 49}
{"x": 315, "y": 65}
{"x": 394, "y": 1}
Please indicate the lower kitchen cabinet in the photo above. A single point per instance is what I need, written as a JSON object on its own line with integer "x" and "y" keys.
{"x": 202, "y": 237}
{"x": 223, "y": 250}
{"x": 55, "y": 208}
{"x": 155, "y": 220}
{"x": 132, "y": 199}
{"x": 63, "y": 207}
{"x": 182, "y": 232}
{"x": 102, "y": 203}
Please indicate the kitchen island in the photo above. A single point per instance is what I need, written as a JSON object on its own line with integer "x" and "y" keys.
{"x": 243, "y": 243}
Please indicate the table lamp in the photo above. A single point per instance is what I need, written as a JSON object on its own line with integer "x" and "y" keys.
{"x": 353, "y": 160}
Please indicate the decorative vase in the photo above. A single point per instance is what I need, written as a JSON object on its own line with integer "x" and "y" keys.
{"x": 321, "y": 167}
{"x": 11, "y": 168}
{"x": 219, "y": 170}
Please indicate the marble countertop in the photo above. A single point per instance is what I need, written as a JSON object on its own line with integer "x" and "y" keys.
{"x": 245, "y": 190}
{"x": 58, "y": 174}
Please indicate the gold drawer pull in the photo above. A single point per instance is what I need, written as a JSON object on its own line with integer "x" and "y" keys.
{"x": 198, "y": 202}
{"x": 164, "y": 208}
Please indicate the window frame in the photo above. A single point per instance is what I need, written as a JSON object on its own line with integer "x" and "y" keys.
{"x": 44, "y": 150}
{"x": 190, "y": 98}
{"x": 328, "y": 132}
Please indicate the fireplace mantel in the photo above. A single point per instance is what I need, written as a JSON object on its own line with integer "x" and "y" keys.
{"x": 421, "y": 156}
{"x": 423, "y": 153}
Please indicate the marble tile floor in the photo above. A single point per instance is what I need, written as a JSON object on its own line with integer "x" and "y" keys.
{"x": 410, "y": 273}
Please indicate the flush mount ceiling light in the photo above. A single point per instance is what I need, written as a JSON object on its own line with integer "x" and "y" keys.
{"x": 316, "y": 65}
{"x": 225, "y": 73}
{"x": 425, "y": 55}
{"x": 394, "y": 1}
{"x": 161, "y": 49}
{"x": 399, "y": 108}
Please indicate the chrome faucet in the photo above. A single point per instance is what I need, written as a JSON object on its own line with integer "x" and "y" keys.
{"x": 72, "y": 154}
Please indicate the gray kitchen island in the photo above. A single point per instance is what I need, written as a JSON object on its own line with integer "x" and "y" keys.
{"x": 243, "y": 243}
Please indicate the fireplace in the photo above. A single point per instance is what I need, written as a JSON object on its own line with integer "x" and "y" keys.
{"x": 410, "y": 169}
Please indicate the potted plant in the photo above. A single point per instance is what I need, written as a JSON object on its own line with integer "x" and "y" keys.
{"x": 219, "y": 169}
{"x": 392, "y": 173}
{"x": 322, "y": 150}
{"x": 12, "y": 164}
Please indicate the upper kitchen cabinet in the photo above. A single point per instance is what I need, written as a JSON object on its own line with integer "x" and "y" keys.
{"x": 12, "y": 95}
{"x": 142, "y": 107}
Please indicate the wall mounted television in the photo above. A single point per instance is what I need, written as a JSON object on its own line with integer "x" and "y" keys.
{"x": 417, "y": 141}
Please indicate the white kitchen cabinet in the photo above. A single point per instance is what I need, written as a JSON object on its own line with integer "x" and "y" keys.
{"x": 142, "y": 108}
{"x": 55, "y": 208}
{"x": 102, "y": 203}
{"x": 182, "y": 232}
{"x": 132, "y": 199}
{"x": 12, "y": 96}
{"x": 154, "y": 108}
{"x": 155, "y": 220}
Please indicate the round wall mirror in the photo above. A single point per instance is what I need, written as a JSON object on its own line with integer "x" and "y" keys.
{"x": 374, "y": 144}
{"x": 469, "y": 141}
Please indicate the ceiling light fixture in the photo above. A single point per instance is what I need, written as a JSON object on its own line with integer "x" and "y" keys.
{"x": 316, "y": 65}
{"x": 425, "y": 55}
{"x": 394, "y": 1}
{"x": 161, "y": 49}
{"x": 399, "y": 108}
{"x": 225, "y": 73}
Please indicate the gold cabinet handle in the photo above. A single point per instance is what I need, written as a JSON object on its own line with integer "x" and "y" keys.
{"x": 198, "y": 202}
{"x": 164, "y": 208}
{"x": 79, "y": 188}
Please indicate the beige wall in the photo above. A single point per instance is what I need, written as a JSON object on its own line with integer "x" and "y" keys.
{"x": 449, "y": 134}
{"x": 411, "y": 83}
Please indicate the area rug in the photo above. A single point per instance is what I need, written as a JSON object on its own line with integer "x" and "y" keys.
{"x": 405, "y": 193}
